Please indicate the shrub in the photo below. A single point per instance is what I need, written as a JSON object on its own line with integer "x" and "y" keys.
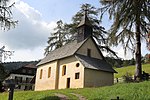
{"x": 127, "y": 78}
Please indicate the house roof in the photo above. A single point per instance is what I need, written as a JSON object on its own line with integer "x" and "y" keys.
{"x": 62, "y": 52}
{"x": 94, "y": 63}
{"x": 31, "y": 65}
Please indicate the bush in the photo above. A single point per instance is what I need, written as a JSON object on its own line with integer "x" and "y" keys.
{"x": 127, "y": 78}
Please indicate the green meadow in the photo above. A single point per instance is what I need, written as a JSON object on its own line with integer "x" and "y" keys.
{"x": 125, "y": 91}
{"x": 131, "y": 70}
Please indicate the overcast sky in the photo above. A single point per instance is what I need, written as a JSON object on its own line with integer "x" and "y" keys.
{"x": 36, "y": 21}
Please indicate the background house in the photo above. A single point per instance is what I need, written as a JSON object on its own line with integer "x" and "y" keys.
{"x": 23, "y": 75}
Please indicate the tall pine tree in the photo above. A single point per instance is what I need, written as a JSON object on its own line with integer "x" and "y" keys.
{"x": 57, "y": 39}
{"x": 131, "y": 19}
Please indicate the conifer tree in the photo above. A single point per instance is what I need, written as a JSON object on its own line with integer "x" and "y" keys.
{"x": 57, "y": 38}
{"x": 131, "y": 20}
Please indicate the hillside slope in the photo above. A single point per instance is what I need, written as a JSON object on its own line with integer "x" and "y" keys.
{"x": 125, "y": 91}
{"x": 131, "y": 70}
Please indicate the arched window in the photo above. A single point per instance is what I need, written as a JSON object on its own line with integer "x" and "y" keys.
{"x": 64, "y": 70}
{"x": 77, "y": 64}
{"x": 41, "y": 72}
{"x": 49, "y": 72}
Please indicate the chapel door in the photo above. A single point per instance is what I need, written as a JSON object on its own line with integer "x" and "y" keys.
{"x": 68, "y": 83}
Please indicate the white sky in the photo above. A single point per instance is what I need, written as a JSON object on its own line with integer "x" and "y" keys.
{"x": 36, "y": 20}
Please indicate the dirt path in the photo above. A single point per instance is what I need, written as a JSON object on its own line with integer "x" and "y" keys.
{"x": 64, "y": 97}
{"x": 61, "y": 96}
{"x": 79, "y": 96}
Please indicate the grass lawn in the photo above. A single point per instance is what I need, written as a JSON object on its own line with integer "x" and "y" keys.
{"x": 126, "y": 91}
{"x": 131, "y": 70}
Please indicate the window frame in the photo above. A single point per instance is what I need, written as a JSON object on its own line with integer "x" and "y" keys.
{"x": 77, "y": 64}
{"x": 49, "y": 72}
{"x": 63, "y": 70}
{"x": 88, "y": 52}
{"x": 77, "y": 75}
{"x": 41, "y": 73}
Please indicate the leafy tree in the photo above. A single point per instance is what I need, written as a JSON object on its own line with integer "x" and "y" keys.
{"x": 6, "y": 21}
{"x": 131, "y": 19}
{"x": 57, "y": 39}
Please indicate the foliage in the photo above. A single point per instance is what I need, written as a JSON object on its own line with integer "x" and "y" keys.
{"x": 114, "y": 62}
{"x": 2, "y": 73}
{"x": 127, "y": 78}
{"x": 124, "y": 13}
{"x": 98, "y": 31}
{"x": 125, "y": 91}
{"x": 58, "y": 38}
{"x": 11, "y": 66}
{"x": 1, "y": 87}
{"x": 148, "y": 41}
{"x": 68, "y": 32}
{"x": 120, "y": 62}
{"x": 147, "y": 58}
{"x": 6, "y": 21}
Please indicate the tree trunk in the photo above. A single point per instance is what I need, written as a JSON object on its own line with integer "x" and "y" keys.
{"x": 138, "y": 72}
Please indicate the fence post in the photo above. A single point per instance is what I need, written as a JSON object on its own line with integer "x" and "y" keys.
{"x": 11, "y": 85}
{"x": 11, "y": 91}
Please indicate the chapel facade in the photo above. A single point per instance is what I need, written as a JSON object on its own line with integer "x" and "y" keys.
{"x": 75, "y": 65}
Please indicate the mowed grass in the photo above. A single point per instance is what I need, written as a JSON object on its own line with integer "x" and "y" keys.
{"x": 131, "y": 70}
{"x": 125, "y": 91}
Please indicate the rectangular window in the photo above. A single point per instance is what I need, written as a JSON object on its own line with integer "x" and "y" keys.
{"x": 64, "y": 70}
{"x": 89, "y": 52}
{"x": 18, "y": 79}
{"x": 26, "y": 87}
{"x": 49, "y": 72}
{"x": 19, "y": 86}
{"x": 77, "y": 75}
{"x": 28, "y": 80}
{"x": 30, "y": 71}
{"x": 41, "y": 72}
{"x": 24, "y": 70}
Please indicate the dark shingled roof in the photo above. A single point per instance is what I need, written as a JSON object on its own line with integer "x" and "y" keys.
{"x": 94, "y": 63}
{"x": 62, "y": 52}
